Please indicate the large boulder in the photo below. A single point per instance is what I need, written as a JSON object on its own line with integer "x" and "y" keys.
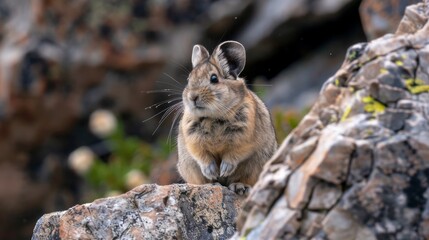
{"x": 148, "y": 212}
{"x": 357, "y": 166}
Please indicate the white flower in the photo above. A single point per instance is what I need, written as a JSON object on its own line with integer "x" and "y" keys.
{"x": 81, "y": 160}
{"x": 102, "y": 123}
{"x": 135, "y": 178}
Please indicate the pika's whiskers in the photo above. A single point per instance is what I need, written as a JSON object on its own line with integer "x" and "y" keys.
{"x": 174, "y": 90}
{"x": 175, "y": 86}
{"x": 177, "y": 115}
{"x": 167, "y": 113}
{"x": 168, "y": 101}
{"x": 161, "y": 112}
{"x": 165, "y": 90}
{"x": 172, "y": 78}
{"x": 182, "y": 67}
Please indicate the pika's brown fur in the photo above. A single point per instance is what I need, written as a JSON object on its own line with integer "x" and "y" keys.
{"x": 225, "y": 134}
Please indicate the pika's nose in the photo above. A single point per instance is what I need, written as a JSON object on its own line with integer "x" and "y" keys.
{"x": 194, "y": 98}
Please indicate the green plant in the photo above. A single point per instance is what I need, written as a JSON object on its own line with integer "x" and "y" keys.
{"x": 286, "y": 120}
{"x": 130, "y": 162}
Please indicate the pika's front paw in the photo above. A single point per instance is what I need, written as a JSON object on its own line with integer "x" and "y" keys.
{"x": 227, "y": 168}
{"x": 211, "y": 171}
{"x": 240, "y": 188}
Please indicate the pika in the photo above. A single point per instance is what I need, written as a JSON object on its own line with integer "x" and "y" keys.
{"x": 225, "y": 134}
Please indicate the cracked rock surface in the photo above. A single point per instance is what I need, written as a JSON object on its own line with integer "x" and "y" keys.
{"x": 148, "y": 212}
{"x": 357, "y": 166}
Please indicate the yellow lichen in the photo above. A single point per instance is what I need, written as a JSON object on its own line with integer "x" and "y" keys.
{"x": 346, "y": 113}
{"x": 419, "y": 89}
{"x": 372, "y": 105}
{"x": 369, "y": 132}
{"x": 399, "y": 63}
{"x": 337, "y": 82}
{"x": 367, "y": 99}
{"x": 416, "y": 86}
{"x": 409, "y": 81}
{"x": 352, "y": 55}
{"x": 383, "y": 71}
{"x": 419, "y": 82}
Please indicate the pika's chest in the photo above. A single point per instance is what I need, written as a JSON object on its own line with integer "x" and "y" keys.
{"x": 214, "y": 134}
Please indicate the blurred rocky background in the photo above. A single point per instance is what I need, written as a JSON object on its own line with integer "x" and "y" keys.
{"x": 84, "y": 84}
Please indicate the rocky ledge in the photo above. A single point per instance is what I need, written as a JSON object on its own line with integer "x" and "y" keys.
{"x": 148, "y": 212}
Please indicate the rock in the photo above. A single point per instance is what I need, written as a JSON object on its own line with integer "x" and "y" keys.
{"x": 340, "y": 224}
{"x": 148, "y": 212}
{"x": 413, "y": 19}
{"x": 269, "y": 15}
{"x": 311, "y": 222}
{"x": 382, "y": 17}
{"x": 285, "y": 221}
{"x": 366, "y": 177}
{"x": 361, "y": 162}
{"x": 325, "y": 195}
{"x": 301, "y": 152}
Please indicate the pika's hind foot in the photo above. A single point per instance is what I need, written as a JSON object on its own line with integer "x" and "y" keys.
{"x": 240, "y": 188}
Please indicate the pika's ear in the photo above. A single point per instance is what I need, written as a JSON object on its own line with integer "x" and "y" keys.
{"x": 199, "y": 53}
{"x": 231, "y": 58}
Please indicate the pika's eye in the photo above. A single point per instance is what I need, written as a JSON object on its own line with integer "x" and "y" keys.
{"x": 213, "y": 78}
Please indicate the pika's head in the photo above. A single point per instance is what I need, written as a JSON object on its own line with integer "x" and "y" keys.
{"x": 214, "y": 88}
